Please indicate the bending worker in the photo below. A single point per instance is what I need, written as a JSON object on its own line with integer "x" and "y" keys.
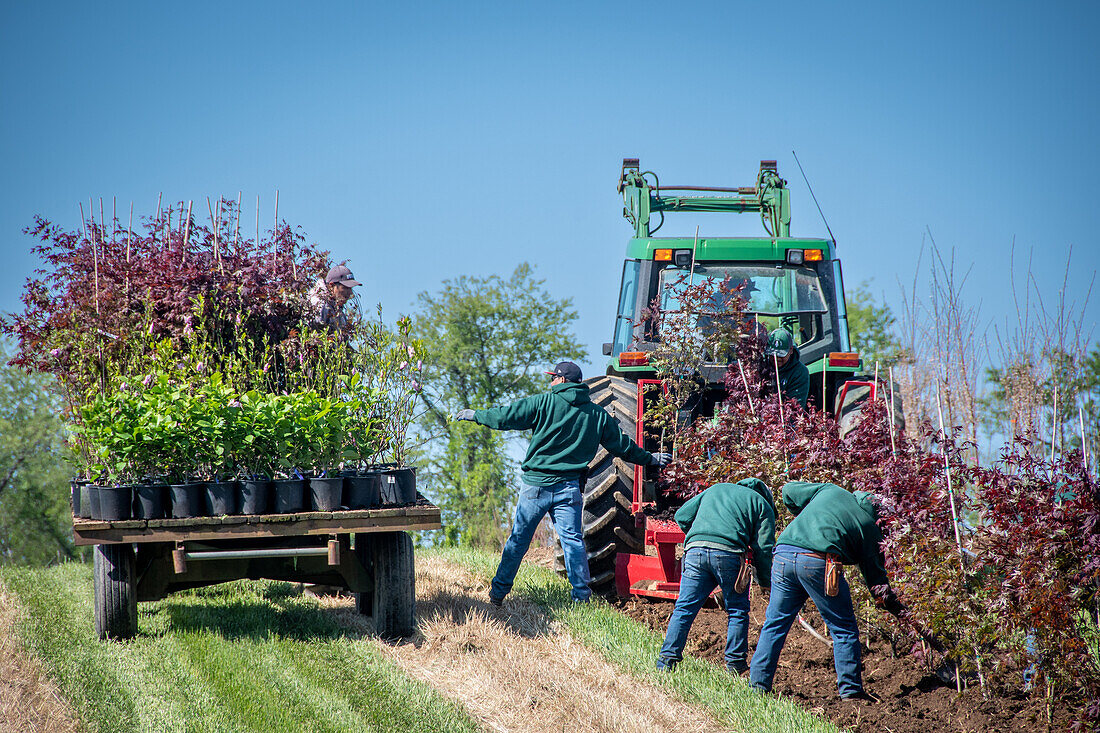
{"x": 726, "y": 526}
{"x": 567, "y": 429}
{"x": 794, "y": 377}
{"x": 831, "y": 526}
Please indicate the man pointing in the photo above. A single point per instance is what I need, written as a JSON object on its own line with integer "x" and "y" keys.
{"x": 567, "y": 430}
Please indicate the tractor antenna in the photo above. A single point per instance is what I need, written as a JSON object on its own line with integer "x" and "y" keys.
{"x": 811, "y": 188}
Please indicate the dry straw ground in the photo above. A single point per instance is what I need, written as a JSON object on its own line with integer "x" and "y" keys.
{"x": 29, "y": 701}
{"x": 515, "y": 671}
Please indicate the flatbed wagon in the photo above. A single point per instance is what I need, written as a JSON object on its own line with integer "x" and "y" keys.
{"x": 368, "y": 551}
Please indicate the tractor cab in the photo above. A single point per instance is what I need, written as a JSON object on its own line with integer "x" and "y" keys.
{"x": 791, "y": 282}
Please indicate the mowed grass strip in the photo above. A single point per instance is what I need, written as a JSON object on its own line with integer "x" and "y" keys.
{"x": 633, "y": 648}
{"x": 243, "y": 656}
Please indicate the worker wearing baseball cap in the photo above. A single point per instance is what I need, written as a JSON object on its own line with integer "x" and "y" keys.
{"x": 794, "y": 377}
{"x": 567, "y": 430}
{"x": 329, "y": 297}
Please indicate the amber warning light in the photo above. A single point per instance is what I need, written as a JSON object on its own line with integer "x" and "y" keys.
{"x": 633, "y": 358}
{"x": 844, "y": 359}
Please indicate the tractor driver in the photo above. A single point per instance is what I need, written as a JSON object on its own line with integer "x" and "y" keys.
{"x": 794, "y": 377}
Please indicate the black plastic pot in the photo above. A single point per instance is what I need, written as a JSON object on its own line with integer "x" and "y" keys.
{"x": 220, "y": 498}
{"x": 115, "y": 503}
{"x": 326, "y": 494}
{"x": 187, "y": 499}
{"x": 89, "y": 500}
{"x": 76, "y": 488}
{"x": 290, "y": 495}
{"x": 149, "y": 501}
{"x": 364, "y": 491}
{"x": 255, "y": 496}
{"x": 398, "y": 486}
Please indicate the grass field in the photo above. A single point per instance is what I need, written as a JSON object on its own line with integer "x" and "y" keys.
{"x": 257, "y": 655}
{"x": 237, "y": 657}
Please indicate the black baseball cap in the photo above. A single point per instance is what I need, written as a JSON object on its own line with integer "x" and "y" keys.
{"x": 341, "y": 274}
{"x": 568, "y": 371}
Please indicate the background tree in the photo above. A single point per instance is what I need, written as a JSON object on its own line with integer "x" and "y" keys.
{"x": 871, "y": 328}
{"x": 489, "y": 340}
{"x": 35, "y": 518}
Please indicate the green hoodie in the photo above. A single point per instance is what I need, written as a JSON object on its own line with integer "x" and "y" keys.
{"x": 828, "y": 518}
{"x": 794, "y": 378}
{"x": 567, "y": 428}
{"x": 737, "y": 516}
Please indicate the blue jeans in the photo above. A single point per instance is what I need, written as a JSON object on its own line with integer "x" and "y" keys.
{"x": 795, "y": 577}
{"x": 563, "y": 501}
{"x": 704, "y": 569}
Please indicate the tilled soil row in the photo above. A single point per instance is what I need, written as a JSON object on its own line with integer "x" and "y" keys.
{"x": 911, "y": 698}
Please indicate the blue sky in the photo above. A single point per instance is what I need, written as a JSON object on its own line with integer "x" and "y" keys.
{"x": 430, "y": 140}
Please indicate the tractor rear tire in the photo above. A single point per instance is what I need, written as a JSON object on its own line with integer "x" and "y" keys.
{"x": 115, "y": 592}
{"x": 609, "y": 526}
{"x": 393, "y": 602}
{"x": 855, "y": 400}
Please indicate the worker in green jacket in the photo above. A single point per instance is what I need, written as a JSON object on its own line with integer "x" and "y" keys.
{"x": 794, "y": 377}
{"x": 830, "y": 525}
{"x": 725, "y": 527}
{"x": 567, "y": 429}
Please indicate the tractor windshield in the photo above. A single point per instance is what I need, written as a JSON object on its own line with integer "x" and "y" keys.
{"x": 771, "y": 290}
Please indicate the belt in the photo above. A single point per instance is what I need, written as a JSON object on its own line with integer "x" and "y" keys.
{"x": 818, "y": 555}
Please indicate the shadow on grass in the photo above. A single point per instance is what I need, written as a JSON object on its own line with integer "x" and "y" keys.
{"x": 276, "y": 610}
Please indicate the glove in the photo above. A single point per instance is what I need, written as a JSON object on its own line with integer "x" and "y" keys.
{"x": 661, "y": 459}
{"x": 464, "y": 415}
{"x": 890, "y": 603}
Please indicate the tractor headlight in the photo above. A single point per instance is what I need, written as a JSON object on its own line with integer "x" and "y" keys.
{"x": 794, "y": 257}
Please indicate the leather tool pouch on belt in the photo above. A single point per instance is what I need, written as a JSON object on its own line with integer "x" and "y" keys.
{"x": 833, "y": 569}
{"x": 744, "y": 575}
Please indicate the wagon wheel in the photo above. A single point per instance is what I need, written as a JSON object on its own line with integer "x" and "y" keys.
{"x": 392, "y": 602}
{"x": 609, "y": 527}
{"x": 115, "y": 593}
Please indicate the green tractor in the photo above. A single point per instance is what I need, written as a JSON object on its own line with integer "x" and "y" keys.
{"x": 795, "y": 282}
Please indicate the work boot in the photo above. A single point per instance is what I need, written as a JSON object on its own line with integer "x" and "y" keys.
{"x": 498, "y": 602}
{"x": 861, "y": 696}
{"x": 737, "y": 669}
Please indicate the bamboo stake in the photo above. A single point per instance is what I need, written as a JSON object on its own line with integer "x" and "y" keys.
{"x": 114, "y": 219}
{"x": 158, "y": 207}
{"x": 824, "y": 388}
{"x": 83, "y": 220}
{"x": 745, "y": 381}
{"x": 876, "y": 380}
{"x": 168, "y": 227}
{"x": 214, "y": 226}
{"x": 890, "y": 418}
{"x": 782, "y": 419}
{"x": 102, "y": 222}
{"x": 129, "y": 232}
{"x": 950, "y": 489}
{"x": 237, "y": 228}
{"x": 275, "y": 238}
{"x": 1054, "y": 429}
{"x": 186, "y": 229}
{"x": 1084, "y": 448}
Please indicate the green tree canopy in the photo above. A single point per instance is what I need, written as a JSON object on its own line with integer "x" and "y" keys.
{"x": 35, "y": 519}
{"x": 489, "y": 340}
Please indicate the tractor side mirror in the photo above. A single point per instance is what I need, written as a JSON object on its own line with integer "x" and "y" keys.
{"x": 607, "y": 349}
